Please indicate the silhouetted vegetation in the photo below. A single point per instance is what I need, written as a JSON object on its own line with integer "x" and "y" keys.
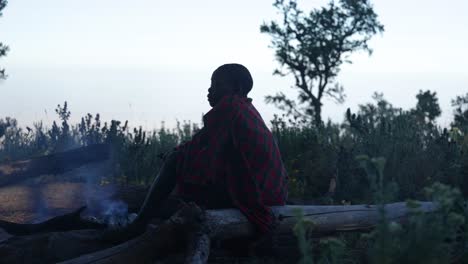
{"x": 312, "y": 47}
{"x": 3, "y": 47}
{"x": 460, "y": 120}
{"x": 417, "y": 151}
{"x": 137, "y": 152}
{"x": 379, "y": 154}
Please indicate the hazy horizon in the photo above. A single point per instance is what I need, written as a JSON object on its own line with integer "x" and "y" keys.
{"x": 151, "y": 61}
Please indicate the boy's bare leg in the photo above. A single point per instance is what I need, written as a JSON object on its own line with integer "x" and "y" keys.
{"x": 160, "y": 189}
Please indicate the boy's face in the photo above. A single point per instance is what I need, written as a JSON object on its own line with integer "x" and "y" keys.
{"x": 220, "y": 86}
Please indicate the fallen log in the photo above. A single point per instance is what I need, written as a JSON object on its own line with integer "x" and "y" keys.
{"x": 155, "y": 242}
{"x": 70, "y": 221}
{"x": 54, "y": 247}
{"x": 198, "y": 248}
{"x": 199, "y": 243}
{"x": 230, "y": 223}
{"x": 56, "y": 163}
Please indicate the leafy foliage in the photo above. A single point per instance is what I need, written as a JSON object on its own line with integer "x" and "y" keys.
{"x": 438, "y": 237}
{"x": 330, "y": 250}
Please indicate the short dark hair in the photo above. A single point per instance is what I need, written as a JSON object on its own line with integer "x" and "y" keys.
{"x": 238, "y": 74}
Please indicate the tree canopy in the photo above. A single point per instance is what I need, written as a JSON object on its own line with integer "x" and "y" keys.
{"x": 312, "y": 47}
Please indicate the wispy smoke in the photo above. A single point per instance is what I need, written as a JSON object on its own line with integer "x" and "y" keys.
{"x": 41, "y": 209}
{"x": 101, "y": 203}
{"x": 116, "y": 214}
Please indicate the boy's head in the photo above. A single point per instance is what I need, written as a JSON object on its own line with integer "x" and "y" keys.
{"x": 229, "y": 79}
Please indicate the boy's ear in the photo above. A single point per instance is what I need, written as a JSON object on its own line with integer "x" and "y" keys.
{"x": 237, "y": 89}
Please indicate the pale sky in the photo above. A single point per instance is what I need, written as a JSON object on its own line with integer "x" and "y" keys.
{"x": 150, "y": 60}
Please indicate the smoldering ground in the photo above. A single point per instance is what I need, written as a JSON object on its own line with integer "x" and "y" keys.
{"x": 46, "y": 196}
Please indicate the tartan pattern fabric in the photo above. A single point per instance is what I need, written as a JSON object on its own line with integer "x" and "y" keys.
{"x": 235, "y": 153}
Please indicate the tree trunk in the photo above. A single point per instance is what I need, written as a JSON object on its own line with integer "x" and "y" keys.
{"x": 318, "y": 114}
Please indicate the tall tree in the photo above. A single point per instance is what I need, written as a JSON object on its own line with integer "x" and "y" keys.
{"x": 3, "y": 48}
{"x": 312, "y": 47}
